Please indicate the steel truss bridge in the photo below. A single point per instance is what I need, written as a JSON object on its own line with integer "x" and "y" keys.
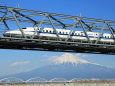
{"x": 15, "y": 18}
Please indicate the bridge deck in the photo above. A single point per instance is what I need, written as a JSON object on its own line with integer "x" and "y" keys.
{"x": 57, "y": 46}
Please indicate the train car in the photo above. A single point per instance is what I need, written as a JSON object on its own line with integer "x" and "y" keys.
{"x": 49, "y": 33}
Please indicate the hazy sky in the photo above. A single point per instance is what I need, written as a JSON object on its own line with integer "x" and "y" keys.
{"x": 13, "y": 61}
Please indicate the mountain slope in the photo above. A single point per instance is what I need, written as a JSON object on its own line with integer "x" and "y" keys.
{"x": 69, "y": 67}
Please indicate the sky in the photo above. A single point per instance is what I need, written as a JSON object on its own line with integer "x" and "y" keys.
{"x": 15, "y": 61}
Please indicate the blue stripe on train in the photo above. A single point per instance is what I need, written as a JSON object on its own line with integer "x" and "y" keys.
{"x": 73, "y": 35}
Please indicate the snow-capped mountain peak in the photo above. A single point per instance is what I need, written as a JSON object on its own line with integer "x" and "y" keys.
{"x": 69, "y": 58}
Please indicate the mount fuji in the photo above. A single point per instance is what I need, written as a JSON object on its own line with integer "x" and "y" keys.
{"x": 69, "y": 66}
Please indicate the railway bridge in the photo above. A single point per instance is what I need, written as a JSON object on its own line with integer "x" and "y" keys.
{"x": 16, "y": 18}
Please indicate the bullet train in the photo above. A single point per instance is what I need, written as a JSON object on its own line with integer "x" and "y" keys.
{"x": 49, "y": 33}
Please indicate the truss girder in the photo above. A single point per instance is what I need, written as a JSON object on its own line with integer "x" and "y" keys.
{"x": 62, "y": 19}
{"x": 54, "y": 14}
{"x": 67, "y": 25}
{"x": 54, "y": 20}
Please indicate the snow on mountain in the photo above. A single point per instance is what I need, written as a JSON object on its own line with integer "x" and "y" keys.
{"x": 70, "y": 58}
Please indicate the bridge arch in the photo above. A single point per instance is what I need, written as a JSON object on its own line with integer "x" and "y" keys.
{"x": 58, "y": 80}
{"x": 36, "y": 79}
{"x": 11, "y": 80}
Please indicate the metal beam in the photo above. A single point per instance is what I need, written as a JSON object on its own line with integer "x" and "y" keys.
{"x": 11, "y": 10}
{"x": 112, "y": 31}
{"x": 54, "y": 28}
{"x": 89, "y": 28}
{"x": 68, "y": 18}
{"x": 38, "y": 27}
{"x": 33, "y": 21}
{"x": 63, "y": 25}
{"x": 88, "y": 39}
{"x": 24, "y": 16}
{"x": 30, "y": 15}
{"x": 3, "y": 16}
{"x": 67, "y": 25}
{"x": 100, "y": 35}
{"x": 54, "y": 14}
{"x": 6, "y": 25}
{"x": 71, "y": 31}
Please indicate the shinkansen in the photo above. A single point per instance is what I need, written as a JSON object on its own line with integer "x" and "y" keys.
{"x": 63, "y": 34}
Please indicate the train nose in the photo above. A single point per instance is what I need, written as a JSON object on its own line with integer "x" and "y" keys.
{"x": 6, "y": 33}
{"x": 12, "y": 33}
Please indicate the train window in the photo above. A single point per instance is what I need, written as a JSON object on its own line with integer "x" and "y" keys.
{"x": 43, "y": 31}
{"x": 50, "y": 31}
{"x": 63, "y": 33}
{"x": 108, "y": 36}
{"x": 24, "y": 28}
{"x": 46, "y": 30}
{"x": 78, "y": 34}
{"x": 53, "y": 31}
{"x": 66, "y": 32}
{"x": 72, "y": 34}
{"x": 111, "y": 37}
{"x": 60, "y": 32}
{"x": 82, "y": 34}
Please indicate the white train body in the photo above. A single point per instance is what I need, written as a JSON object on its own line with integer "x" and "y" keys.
{"x": 63, "y": 34}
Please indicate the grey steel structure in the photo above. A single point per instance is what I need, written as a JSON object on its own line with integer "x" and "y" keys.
{"x": 15, "y": 18}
